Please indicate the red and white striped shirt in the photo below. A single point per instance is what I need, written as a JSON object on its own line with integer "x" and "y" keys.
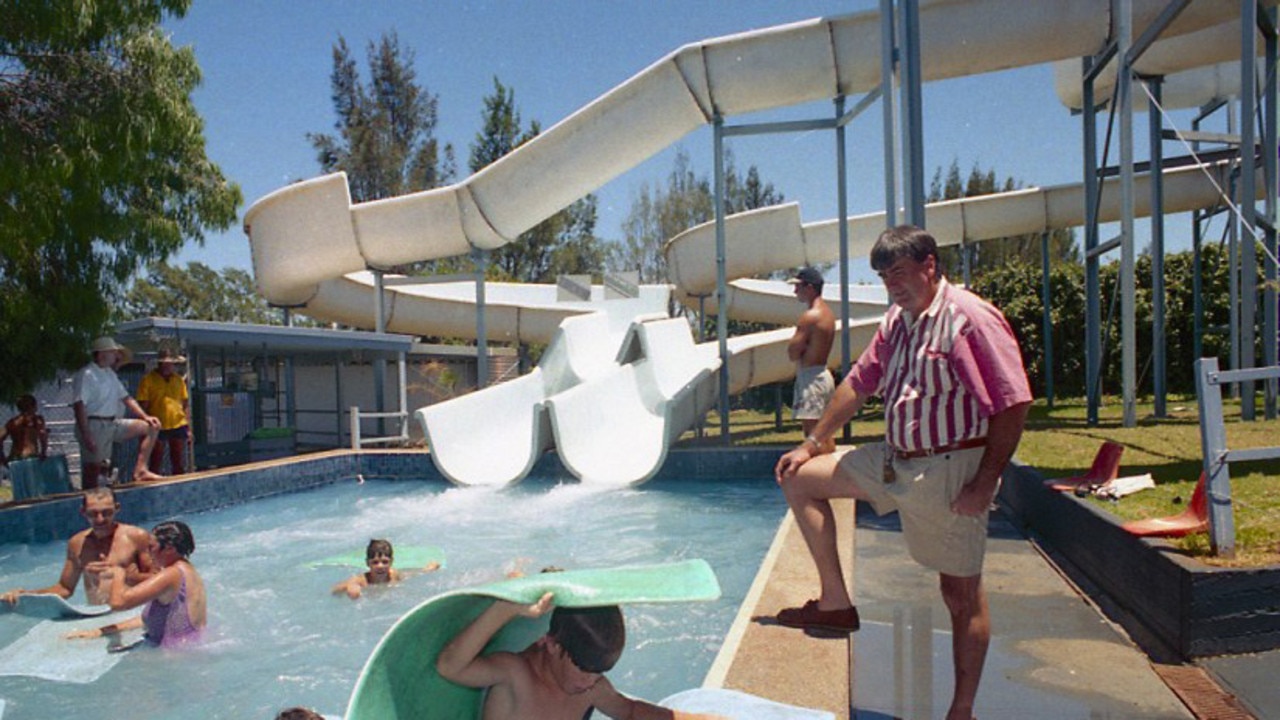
{"x": 943, "y": 374}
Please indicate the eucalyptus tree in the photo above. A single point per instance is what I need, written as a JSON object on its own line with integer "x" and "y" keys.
{"x": 103, "y": 170}
{"x": 197, "y": 292}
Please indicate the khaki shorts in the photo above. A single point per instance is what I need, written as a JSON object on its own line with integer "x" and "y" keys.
{"x": 813, "y": 389}
{"x": 106, "y": 433}
{"x": 922, "y": 493}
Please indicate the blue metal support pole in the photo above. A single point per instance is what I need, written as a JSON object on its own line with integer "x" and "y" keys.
{"x": 722, "y": 318}
{"x": 912, "y": 112}
{"x": 1093, "y": 300}
{"x": 1213, "y": 448}
{"x": 1046, "y": 299}
{"x": 1271, "y": 173}
{"x": 842, "y": 207}
{"x": 1128, "y": 288}
{"x": 1247, "y": 200}
{"x": 380, "y": 363}
{"x": 480, "y": 259}
{"x": 1159, "y": 366}
{"x": 887, "y": 63}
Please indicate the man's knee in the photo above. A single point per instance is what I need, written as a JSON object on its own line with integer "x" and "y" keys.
{"x": 141, "y": 428}
{"x": 962, "y": 595}
{"x": 816, "y": 480}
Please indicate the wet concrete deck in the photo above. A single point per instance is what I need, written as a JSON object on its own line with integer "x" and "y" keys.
{"x": 1052, "y": 655}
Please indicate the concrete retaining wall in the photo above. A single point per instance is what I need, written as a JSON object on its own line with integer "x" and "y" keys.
{"x": 1195, "y": 609}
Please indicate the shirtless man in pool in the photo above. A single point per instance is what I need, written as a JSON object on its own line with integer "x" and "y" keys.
{"x": 105, "y": 544}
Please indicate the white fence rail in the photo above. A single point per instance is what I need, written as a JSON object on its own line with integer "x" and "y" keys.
{"x": 357, "y": 441}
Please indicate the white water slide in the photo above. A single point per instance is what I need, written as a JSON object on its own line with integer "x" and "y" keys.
{"x": 614, "y": 389}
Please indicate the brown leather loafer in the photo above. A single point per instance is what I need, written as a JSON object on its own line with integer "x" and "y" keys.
{"x": 809, "y": 617}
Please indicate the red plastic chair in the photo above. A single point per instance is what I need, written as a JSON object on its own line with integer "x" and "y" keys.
{"x": 1195, "y": 519}
{"x": 1106, "y": 467}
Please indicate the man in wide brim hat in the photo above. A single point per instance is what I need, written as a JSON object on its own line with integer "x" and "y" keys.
{"x": 165, "y": 355}
{"x": 163, "y": 393}
{"x": 108, "y": 344}
{"x": 101, "y": 407}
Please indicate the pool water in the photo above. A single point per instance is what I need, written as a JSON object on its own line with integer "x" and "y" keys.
{"x": 277, "y": 638}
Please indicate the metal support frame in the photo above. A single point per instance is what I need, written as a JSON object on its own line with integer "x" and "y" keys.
{"x": 1247, "y": 203}
{"x": 1213, "y": 446}
{"x": 1125, "y": 50}
{"x": 1128, "y": 287}
{"x": 1271, "y": 173}
{"x": 1093, "y": 301}
{"x": 842, "y": 208}
{"x": 379, "y": 364}
{"x": 722, "y": 318}
{"x": 1046, "y": 299}
{"x": 912, "y": 111}
{"x": 720, "y": 131}
{"x": 1159, "y": 366}
{"x": 480, "y": 258}
{"x": 887, "y": 62}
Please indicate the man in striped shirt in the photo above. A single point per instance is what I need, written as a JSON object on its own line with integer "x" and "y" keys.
{"x": 950, "y": 373}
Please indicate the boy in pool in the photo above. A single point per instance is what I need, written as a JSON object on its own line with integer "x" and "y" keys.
{"x": 561, "y": 675}
{"x": 379, "y": 556}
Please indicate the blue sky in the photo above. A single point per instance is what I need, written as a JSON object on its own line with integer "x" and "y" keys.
{"x": 266, "y": 67}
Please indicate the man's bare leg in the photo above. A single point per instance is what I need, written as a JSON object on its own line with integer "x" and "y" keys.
{"x": 970, "y": 636}
{"x": 809, "y": 495}
{"x": 89, "y": 475}
{"x": 142, "y": 473}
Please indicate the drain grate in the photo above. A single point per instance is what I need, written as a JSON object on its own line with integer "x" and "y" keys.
{"x": 1201, "y": 694}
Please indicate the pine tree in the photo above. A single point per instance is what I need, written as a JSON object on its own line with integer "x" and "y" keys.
{"x": 385, "y": 132}
{"x": 564, "y": 243}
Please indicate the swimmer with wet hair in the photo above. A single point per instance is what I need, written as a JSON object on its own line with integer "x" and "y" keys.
{"x": 561, "y": 675}
{"x": 379, "y": 555}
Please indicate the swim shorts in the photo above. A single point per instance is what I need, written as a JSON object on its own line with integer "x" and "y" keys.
{"x": 814, "y": 386}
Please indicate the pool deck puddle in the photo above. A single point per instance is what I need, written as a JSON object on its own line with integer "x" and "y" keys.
{"x": 1052, "y": 654}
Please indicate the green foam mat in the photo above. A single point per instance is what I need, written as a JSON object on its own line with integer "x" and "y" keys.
{"x": 399, "y": 680}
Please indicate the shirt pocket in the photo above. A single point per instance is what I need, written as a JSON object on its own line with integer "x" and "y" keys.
{"x": 936, "y": 375}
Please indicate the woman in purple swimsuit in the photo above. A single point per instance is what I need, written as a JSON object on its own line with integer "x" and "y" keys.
{"x": 174, "y": 596}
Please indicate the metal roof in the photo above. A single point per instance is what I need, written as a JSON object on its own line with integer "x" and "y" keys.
{"x": 143, "y": 333}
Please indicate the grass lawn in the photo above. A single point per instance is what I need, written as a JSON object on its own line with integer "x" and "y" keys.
{"x": 1059, "y": 443}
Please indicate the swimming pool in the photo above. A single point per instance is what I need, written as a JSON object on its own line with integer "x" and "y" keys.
{"x": 277, "y": 638}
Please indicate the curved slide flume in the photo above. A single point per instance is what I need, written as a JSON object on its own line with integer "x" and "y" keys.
{"x": 494, "y": 436}
{"x": 774, "y": 237}
{"x": 774, "y": 67}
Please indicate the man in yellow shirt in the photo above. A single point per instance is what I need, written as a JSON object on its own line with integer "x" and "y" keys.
{"x": 163, "y": 393}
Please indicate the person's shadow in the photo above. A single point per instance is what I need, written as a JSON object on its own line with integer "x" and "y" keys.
{"x": 772, "y": 620}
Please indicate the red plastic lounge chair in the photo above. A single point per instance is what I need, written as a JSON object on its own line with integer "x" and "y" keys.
{"x": 1194, "y": 519}
{"x": 1106, "y": 467}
